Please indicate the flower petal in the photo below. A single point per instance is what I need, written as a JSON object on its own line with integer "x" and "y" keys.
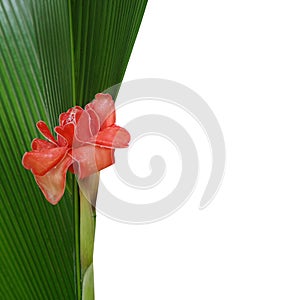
{"x": 94, "y": 121}
{"x": 82, "y": 129}
{"x": 104, "y": 106}
{"x": 39, "y": 144}
{"x": 45, "y": 131}
{"x": 53, "y": 183}
{"x": 90, "y": 159}
{"x": 40, "y": 162}
{"x": 112, "y": 137}
{"x": 62, "y": 118}
{"x": 65, "y": 134}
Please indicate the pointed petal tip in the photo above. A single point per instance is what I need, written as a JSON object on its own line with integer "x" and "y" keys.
{"x": 45, "y": 131}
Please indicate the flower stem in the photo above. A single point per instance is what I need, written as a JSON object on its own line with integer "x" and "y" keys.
{"x": 88, "y": 188}
{"x": 77, "y": 241}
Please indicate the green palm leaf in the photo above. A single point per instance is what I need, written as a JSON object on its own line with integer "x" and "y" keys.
{"x": 54, "y": 55}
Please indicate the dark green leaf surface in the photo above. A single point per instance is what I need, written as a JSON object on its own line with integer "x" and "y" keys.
{"x": 53, "y": 55}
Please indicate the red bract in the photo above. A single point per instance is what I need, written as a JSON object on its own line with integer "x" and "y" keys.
{"x": 85, "y": 143}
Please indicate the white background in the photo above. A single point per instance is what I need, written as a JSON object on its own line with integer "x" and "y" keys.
{"x": 243, "y": 58}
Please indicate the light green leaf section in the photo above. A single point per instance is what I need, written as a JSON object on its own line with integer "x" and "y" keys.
{"x": 53, "y": 55}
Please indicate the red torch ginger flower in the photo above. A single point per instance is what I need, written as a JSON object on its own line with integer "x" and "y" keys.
{"x": 85, "y": 143}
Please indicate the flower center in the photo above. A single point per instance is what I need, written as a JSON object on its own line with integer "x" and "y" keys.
{"x": 71, "y": 118}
